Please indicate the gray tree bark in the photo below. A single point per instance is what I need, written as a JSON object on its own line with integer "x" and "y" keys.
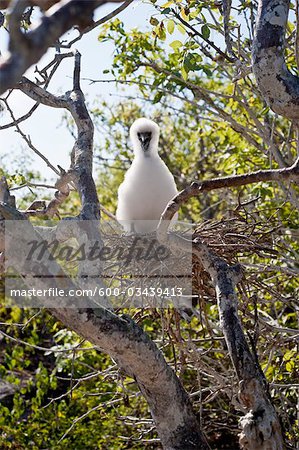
{"x": 26, "y": 49}
{"x": 278, "y": 86}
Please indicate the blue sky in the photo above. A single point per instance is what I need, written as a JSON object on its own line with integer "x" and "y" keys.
{"x": 44, "y": 127}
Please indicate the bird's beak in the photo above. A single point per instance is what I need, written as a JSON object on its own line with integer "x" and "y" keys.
{"x": 145, "y": 139}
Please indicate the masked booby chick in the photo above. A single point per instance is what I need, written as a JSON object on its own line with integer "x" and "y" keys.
{"x": 148, "y": 185}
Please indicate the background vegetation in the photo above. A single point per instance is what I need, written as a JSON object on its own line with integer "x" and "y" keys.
{"x": 65, "y": 394}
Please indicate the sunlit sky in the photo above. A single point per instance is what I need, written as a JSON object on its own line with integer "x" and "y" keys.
{"x": 44, "y": 127}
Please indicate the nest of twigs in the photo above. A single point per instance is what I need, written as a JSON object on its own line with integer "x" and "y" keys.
{"x": 232, "y": 238}
{"x": 146, "y": 272}
{"x": 235, "y": 236}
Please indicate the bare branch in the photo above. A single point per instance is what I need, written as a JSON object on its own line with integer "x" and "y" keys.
{"x": 54, "y": 64}
{"x": 82, "y": 152}
{"x": 35, "y": 185}
{"x": 39, "y": 208}
{"x": 196, "y": 188}
{"x": 27, "y": 49}
{"x": 227, "y": 4}
{"x": 4, "y": 193}
{"x": 99, "y": 22}
{"x": 28, "y": 140}
{"x": 40, "y": 95}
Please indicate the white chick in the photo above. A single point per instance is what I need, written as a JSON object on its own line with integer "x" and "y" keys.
{"x": 148, "y": 185}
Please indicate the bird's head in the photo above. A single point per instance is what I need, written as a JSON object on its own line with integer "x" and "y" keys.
{"x": 144, "y": 134}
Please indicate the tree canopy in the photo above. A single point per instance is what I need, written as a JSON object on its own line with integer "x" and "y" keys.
{"x": 221, "y": 81}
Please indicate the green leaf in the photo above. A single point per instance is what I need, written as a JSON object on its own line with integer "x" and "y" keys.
{"x": 185, "y": 14}
{"x": 170, "y": 26}
{"x": 207, "y": 71}
{"x": 191, "y": 61}
{"x": 184, "y": 73}
{"x": 154, "y": 21}
{"x": 176, "y": 44}
{"x": 158, "y": 97}
{"x": 205, "y": 31}
{"x": 188, "y": 63}
{"x": 289, "y": 355}
{"x": 290, "y": 366}
{"x": 181, "y": 29}
{"x": 167, "y": 4}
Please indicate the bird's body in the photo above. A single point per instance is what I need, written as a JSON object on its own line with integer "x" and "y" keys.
{"x": 148, "y": 185}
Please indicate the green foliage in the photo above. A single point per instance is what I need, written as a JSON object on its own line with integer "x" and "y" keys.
{"x": 213, "y": 123}
{"x": 30, "y": 419}
{"x": 21, "y": 179}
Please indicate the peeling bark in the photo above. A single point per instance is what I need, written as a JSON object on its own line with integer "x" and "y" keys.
{"x": 277, "y": 84}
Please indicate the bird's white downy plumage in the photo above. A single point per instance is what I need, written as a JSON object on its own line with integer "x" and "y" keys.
{"x": 148, "y": 185}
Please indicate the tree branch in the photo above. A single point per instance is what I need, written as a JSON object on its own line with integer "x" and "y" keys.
{"x": 198, "y": 33}
{"x": 260, "y": 426}
{"x": 28, "y": 140}
{"x": 278, "y": 85}
{"x": 99, "y": 22}
{"x": 196, "y": 188}
{"x": 120, "y": 337}
{"x": 27, "y": 49}
{"x": 54, "y": 64}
